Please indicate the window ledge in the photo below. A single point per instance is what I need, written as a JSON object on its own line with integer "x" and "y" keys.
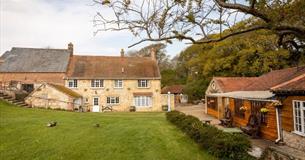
{"x": 298, "y": 133}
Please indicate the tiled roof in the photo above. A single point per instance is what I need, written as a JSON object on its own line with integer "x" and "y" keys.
{"x": 65, "y": 90}
{"x": 296, "y": 85}
{"x": 35, "y": 60}
{"x": 175, "y": 89}
{"x": 110, "y": 67}
{"x": 229, "y": 84}
{"x": 276, "y": 77}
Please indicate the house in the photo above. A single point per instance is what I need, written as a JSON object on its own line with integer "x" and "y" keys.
{"x": 215, "y": 103}
{"x": 116, "y": 81}
{"x": 177, "y": 90}
{"x": 28, "y": 68}
{"x": 292, "y": 112}
{"x": 260, "y": 97}
{"x": 54, "y": 96}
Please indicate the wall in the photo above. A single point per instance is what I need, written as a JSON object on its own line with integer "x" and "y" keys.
{"x": 126, "y": 94}
{"x": 33, "y": 77}
{"x": 268, "y": 131}
{"x": 290, "y": 138}
{"x": 48, "y": 97}
{"x": 164, "y": 100}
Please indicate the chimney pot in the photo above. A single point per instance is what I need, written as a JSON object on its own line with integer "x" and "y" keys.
{"x": 122, "y": 52}
{"x": 70, "y": 48}
{"x": 153, "y": 54}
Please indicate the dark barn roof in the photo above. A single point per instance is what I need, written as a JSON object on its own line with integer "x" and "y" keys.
{"x": 111, "y": 67}
{"x": 35, "y": 60}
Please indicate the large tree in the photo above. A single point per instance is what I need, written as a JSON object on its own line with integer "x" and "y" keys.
{"x": 194, "y": 20}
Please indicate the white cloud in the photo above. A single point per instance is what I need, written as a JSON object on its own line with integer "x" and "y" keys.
{"x": 43, "y": 23}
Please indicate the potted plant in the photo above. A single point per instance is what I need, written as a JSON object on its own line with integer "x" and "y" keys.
{"x": 132, "y": 109}
{"x": 243, "y": 108}
{"x": 164, "y": 107}
{"x": 264, "y": 110}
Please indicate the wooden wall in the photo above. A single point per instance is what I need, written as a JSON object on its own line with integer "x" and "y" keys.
{"x": 268, "y": 131}
{"x": 287, "y": 112}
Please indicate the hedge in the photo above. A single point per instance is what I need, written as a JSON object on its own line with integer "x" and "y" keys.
{"x": 218, "y": 143}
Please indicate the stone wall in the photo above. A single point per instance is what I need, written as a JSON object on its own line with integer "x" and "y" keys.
{"x": 295, "y": 141}
{"x": 126, "y": 94}
{"x": 164, "y": 100}
{"x": 48, "y": 97}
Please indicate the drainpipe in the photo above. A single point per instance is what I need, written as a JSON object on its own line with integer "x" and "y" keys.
{"x": 278, "y": 125}
{"x": 168, "y": 101}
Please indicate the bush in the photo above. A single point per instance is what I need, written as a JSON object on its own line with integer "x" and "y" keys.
{"x": 220, "y": 144}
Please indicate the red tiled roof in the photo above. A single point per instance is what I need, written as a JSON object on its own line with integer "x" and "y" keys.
{"x": 296, "y": 84}
{"x": 276, "y": 77}
{"x": 175, "y": 89}
{"x": 110, "y": 67}
{"x": 65, "y": 90}
{"x": 229, "y": 84}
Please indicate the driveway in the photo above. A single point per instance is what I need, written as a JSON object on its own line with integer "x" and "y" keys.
{"x": 197, "y": 111}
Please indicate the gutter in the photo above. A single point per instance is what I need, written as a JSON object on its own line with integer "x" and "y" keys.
{"x": 278, "y": 125}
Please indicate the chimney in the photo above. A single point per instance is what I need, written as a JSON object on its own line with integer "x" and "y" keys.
{"x": 153, "y": 54}
{"x": 122, "y": 52}
{"x": 70, "y": 48}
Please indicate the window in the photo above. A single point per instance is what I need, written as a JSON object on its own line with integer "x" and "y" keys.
{"x": 256, "y": 107}
{"x": 212, "y": 103}
{"x": 72, "y": 83}
{"x": 118, "y": 83}
{"x": 239, "y": 108}
{"x": 95, "y": 101}
{"x": 143, "y": 83}
{"x": 299, "y": 117}
{"x": 113, "y": 100}
{"x": 97, "y": 83}
{"x": 142, "y": 101}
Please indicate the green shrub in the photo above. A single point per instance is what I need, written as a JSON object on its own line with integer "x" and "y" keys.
{"x": 220, "y": 144}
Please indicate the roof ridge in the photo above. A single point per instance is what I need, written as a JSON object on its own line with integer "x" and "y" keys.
{"x": 38, "y": 48}
{"x": 288, "y": 82}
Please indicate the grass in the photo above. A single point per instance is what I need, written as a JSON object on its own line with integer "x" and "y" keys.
{"x": 24, "y": 135}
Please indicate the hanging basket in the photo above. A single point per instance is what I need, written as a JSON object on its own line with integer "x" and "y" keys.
{"x": 264, "y": 110}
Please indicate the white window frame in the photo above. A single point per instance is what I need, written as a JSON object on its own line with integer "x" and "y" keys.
{"x": 73, "y": 82}
{"x": 113, "y": 100}
{"x": 118, "y": 83}
{"x": 302, "y": 116}
{"x": 142, "y": 101}
{"x": 143, "y": 81}
{"x": 97, "y": 83}
{"x": 98, "y": 101}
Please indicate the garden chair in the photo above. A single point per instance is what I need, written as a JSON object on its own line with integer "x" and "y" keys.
{"x": 252, "y": 127}
{"x": 227, "y": 120}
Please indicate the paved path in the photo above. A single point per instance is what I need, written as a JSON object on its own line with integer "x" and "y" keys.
{"x": 197, "y": 111}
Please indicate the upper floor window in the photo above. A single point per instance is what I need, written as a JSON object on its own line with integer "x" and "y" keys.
{"x": 113, "y": 100}
{"x": 143, "y": 83}
{"x": 118, "y": 83}
{"x": 97, "y": 83}
{"x": 299, "y": 117}
{"x": 72, "y": 83}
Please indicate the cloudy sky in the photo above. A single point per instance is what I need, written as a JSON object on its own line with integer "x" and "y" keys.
{"x": 55, "y": 23}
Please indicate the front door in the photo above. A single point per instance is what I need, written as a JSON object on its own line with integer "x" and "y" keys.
{"x": 96, "y": 104}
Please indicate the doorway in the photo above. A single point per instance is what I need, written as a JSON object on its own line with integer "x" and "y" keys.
{"x": 96, "y": 104}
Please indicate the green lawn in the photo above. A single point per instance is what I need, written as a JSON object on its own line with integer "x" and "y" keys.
{"x": 24, "y": 135}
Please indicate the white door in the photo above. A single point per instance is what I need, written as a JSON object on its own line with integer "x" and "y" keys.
{"x": 96, "y": 104}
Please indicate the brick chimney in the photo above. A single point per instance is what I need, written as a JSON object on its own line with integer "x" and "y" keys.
{"x": 70, "y": 48}
{"x": 153, "y": 54}
{"x": 122, "y": 52}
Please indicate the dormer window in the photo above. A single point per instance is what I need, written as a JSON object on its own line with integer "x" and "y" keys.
{"x": 97, "y": 83}
{"x": 143, "y": 83}
{"x": 72, "y": 83}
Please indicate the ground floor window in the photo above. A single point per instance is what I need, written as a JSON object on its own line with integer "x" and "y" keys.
{"x": 239, "y": 108}
{"x": 299, "y": 117}
{"x": 113, "y": 100}
{"x": 142, "y": 101}
{"x": 212, "y": 102}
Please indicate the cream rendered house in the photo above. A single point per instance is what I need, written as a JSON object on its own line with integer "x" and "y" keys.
{"x": 118, "y": 82}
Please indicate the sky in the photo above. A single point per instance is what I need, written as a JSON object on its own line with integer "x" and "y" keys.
{"x": 55, "y": 23}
